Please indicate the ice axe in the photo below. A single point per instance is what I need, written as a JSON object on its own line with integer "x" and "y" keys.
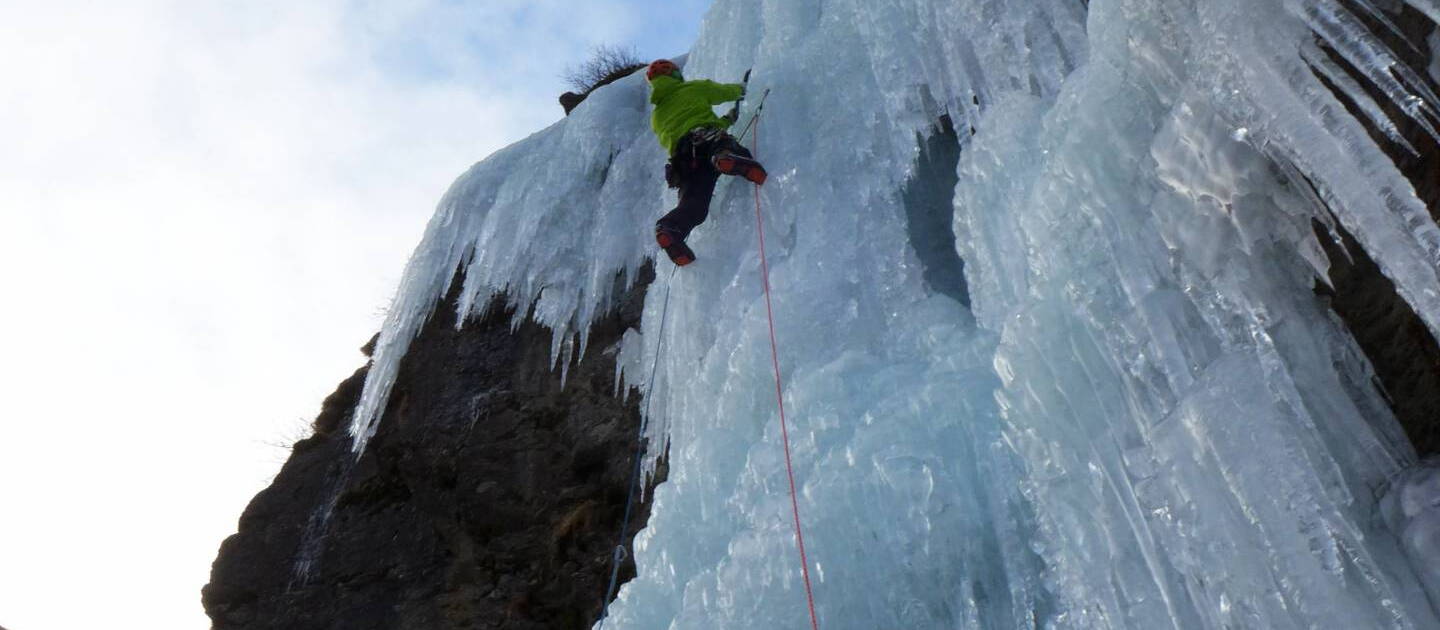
{"x": 734, "y": 113}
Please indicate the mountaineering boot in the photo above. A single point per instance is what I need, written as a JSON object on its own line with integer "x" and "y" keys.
{"x": 730, "y": 164}
{"x": 674, "y": 246}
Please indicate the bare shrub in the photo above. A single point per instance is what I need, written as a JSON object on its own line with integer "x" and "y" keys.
{"x": 606, "y": 63}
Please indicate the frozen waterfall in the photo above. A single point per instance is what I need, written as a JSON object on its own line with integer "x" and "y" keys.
{"x": 1131, "y": 413}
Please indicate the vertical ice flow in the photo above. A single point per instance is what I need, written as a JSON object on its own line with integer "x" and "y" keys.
{"x": 1146, "y": 420}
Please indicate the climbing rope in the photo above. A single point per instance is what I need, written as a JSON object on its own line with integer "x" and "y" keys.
{"x": 779, "y": 397}
{"x": 620, "y": 553}
{"x": 618, "y": 556}
{"x": 754, "y": 117}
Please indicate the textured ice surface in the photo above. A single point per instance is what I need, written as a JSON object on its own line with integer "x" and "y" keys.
{"x": 1148, "y": 420}
{"x": 1411, "y": 508}
{"x": 1434, "y": 43}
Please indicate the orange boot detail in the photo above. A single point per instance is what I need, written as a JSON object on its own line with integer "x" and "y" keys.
{"x": 731, "y": 164}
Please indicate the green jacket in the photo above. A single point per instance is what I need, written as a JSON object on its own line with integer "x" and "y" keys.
{"x": 681, "y": 106}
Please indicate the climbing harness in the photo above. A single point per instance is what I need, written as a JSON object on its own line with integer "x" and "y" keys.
{"x": 779, "y": 397}
{"x": 620, "y": 553}
{"x": 703, "y": 137}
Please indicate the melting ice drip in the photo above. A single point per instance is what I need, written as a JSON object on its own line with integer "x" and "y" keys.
{"x": 312, "y": 541}
{"x": 1142, "y": 419}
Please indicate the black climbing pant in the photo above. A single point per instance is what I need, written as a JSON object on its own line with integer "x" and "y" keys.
{"x": 692, "y": 171}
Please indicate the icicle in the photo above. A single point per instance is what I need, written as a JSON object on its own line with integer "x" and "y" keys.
{"x": 1343, "y": 32}
{"x": 1431, "y": 8}
{"x": 1354, "y": 91}
{"x": 1384, "y": 19}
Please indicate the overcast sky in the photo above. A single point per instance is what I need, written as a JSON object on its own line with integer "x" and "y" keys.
{"x": 206, "y": 207}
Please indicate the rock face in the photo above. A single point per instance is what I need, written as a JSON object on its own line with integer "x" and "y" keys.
{"x": 489, "y": 498}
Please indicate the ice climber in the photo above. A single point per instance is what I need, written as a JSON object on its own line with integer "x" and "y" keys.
{"x": 700, "y": 149}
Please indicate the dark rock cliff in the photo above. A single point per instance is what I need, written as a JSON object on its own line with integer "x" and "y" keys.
{"x": 489, "y": 498}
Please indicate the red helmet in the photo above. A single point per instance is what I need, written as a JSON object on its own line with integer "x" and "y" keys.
{"x": 659, "y": 67}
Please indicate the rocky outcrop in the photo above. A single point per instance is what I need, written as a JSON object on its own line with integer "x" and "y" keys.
{"x": 490, "y": 496}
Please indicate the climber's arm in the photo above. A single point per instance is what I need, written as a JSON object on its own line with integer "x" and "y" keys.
{"x": 718, "y": 93}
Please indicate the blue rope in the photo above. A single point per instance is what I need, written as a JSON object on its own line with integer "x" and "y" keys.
{"x": 619, "y": 554}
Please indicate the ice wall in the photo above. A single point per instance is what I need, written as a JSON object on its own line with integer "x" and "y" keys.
{"x": 1411, "y": 508}
{"x": 1146, "y": 421}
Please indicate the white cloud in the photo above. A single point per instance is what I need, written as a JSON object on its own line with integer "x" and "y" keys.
{"x": 205, "y": 206}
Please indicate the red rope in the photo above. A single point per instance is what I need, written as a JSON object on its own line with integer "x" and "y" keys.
{"x": 780, "y": 400}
